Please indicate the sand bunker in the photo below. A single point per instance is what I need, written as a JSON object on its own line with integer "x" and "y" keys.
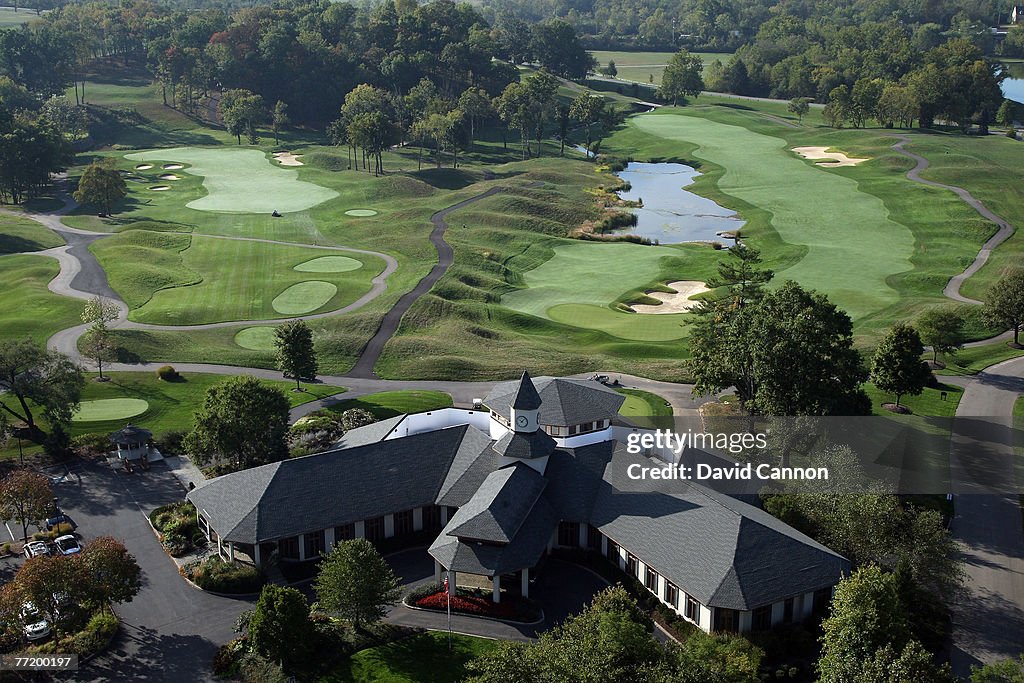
{"x": 288, "y": 159}
{"x": 135, "y": 178}
{"x": 173, "y": 167}
{"x": 169, "y": 176}
{"x": 143, "y": 167}
{"x": 837, "y": 159}
{"x": 159, "y": 188}
{"x": 679, "y": 302}
{"x": 361, "y": 213}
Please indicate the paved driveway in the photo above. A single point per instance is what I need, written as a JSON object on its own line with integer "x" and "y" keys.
{"x": 170, "y": 631}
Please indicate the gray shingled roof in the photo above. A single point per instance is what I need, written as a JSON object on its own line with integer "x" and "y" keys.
{"x": 371, "y": 433}
{"x": 574, "y": 477}
{"x": 565, "y": 401}
{"x": 723, "y": 552}
{"x": 526, "y": 397}
{"x": 525, "y": 446}
{"x": 500, "y": 505}
{"x": 329, "y": 489}
{"x": 474, "y": 460}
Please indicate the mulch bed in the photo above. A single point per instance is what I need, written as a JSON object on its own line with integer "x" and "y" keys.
{"x": 510, "y": 608}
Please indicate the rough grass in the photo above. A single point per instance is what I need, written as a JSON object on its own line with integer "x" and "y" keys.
{"x": 423, "y": 658}
{"x": 30, "y": 309}
{"x": 182, "y": 279}
{"x": 241, "y": 180}
{"x": 19, "y": 234}
{"x": 973, "y": 360}
{"x": 387, "y": 404}
{"x": 641, "y": 66}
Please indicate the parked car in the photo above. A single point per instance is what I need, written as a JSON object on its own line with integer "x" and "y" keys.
{"x": 36, "y": 626}
{"x": 36, "y": 549}
{"x": 60, "y": 519}
{"x": 68, "y": 545}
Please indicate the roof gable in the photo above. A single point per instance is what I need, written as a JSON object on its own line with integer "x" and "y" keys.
{"x": 500, "y": 505}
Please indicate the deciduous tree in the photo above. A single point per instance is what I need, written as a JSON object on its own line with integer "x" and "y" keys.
{"x": 51, "y": 584}
{"x": 1005, "y": 302}
{"x": 897, "y": 367}
{"x": 113, "y": 573}
{"x": 682, "y": 77}
{"x": 942, "y": 329}
{"x": 280, "y": 628}
{"x": 356, "y": 583}
{"x": 32, "y": 378}
{"x": 799, "y": 106}
{"x": 26, "y": 497}
{"x": 97, "y": 343}
{"x": 588, "y": 109}
{"x": 296, "y": 356}
{"x": 102, "y": 186}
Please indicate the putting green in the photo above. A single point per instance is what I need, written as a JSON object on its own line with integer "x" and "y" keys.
{"x": 582, "y": 279}
{"x": 304, "y": 297}
{"x": 853, "y": 247}
{"x": 363, "y": 213}
{"x": 329, "y": 264}
{"x": 256, "y": 338}
{"x": 241, "y": 180}
{"x": 110, "y": 409}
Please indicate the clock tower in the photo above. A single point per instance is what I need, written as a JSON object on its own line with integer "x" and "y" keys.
{"x": 525, "y": 407}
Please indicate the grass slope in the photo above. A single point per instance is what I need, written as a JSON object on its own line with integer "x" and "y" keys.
{"x": 181, "y": 279}
{"x": 423, "y": 658}
{"x": 643, "y": 66}
{"x": 32, "y": 310}
{"x": 241, "y": 180}
{"x": 19, "y": 234}
{"x": 387, "y": 404}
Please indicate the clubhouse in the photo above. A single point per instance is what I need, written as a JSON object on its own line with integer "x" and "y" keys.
{"x": 493, "y": 491}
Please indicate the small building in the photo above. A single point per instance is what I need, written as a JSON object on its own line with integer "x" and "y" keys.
{"x": 543, "y": 467}
{"x": 131, "y": 442}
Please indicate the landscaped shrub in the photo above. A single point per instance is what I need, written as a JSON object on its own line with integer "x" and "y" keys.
{"x": 59, "y": 530}
{"x": 91, "y": 445}
{"x": 214, "y": 574}
{"x": 168, "y": 374}
{"x": 178, "y": 527}
{"x": 472, "y": 602}
{"x": 94, "y": 637}
{"x": 169, "y": 443}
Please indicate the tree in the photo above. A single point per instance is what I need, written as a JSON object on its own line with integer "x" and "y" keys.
{"x": 353, "y": 418}
{"x": 897, "y": 367}
{"x": 114, "y": 575}
{"x": 682, "y": 77}
{"x": 355, "y": 582}
{"x": 51, "y": 582}
{"x": 1007, "y": 112}
{"x": 791, "y": 353}
{"x": 97, "y": 343}
{"x": 1005, "y": 303}
{"x": 555, "y": 45}
{"x": 242, "y": 422}
{"x": 1004, "y": 671}
{"x": 799, "y": 106}
{"x": 611, "y": 70}
{"x": 242, "y": 111}
{"x": 477, "y": 107}
{"x": 38, "y": 379}
{"x": 102, "y": 186}
{"x": 279, "y": 119}
{"x": 839, "y": 108}
{"x": 26, "y": 497}
{"x": 942, "y": 329}
{"x": 280, "y": 628}
{"x": 296, "y": 356}
{"x": 68, "y": 118}
{"x": 741, "y": 272}
{"x": 588, "y": 109}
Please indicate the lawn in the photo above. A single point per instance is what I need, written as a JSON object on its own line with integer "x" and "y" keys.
{"x": 387, "y": 404}
{"x": 972, "y": 360}
{"x": 423, "y": 658}
{"x": 642, "y": 66}
{"x": 928, "y": 404}
{"x": 240, "y": 180}
{"x": 174, "y": 279}
{"x": 581, "y": 280}
{"x": 10, "y": 17}
{"x": 19, "y": 234}
{"x": 643, "y": 404}
{"x": 30, "y": 309}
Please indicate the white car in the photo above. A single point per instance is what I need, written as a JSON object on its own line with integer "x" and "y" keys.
{"x": 36, "y": 548}
{"x": 35, "y": 624}
{"x": 68, "y": 545}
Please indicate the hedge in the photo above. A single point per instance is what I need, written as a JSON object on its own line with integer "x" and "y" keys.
{"x": 214, "y": 574}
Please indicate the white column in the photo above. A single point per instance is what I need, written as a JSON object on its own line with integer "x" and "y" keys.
{"x": 496, "y": 594}
{"x": 604, "y": 545}
{"x": 220, "y": 546}
{"x": 444, "y": 514}
{"x": 524, "y": 588}
{"x": 231, "y": 551}
{"x": 302, "y": 547}
{"x": 328, "y": 539}
{"x": 438, "y": 570}
{"x": 583, "y": 536}
{"x": 389, "y": 526}
{"x": 745, "y": 622}
{"x": 417, "y": 519}
{"x": 778, "y": 612}
{"x": 453, "y": 582}
{"x": 808, "y": 605}
{"x": 256, "y": 554}
{"x": 360, "y": 529}
{"x": 705, "y": 618}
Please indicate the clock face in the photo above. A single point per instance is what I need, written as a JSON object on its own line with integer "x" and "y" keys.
{"x": 521, "y": 421}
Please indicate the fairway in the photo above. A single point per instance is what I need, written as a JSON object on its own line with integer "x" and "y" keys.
{"x": 171, "y": 279}
{"x": 19, "y": 234}
{"x": 31, "y": 310}
{"x": 641, "y": 66}
{"x": 110, "y": 409}
{"x": 240, "y": 180}
{"x": 582, "y": 279}
{"x": 256, "y": 338}
{"x": 853, "y": 247}
{"x": 329, "y": 264}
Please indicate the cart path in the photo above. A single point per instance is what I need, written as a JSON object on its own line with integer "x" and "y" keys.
{"x": 952, "y": 289}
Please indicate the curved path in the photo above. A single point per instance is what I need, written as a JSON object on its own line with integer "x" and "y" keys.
{"x": 952, "y": 289}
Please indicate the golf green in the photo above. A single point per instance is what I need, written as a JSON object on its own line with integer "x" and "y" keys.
{"x": 361, "y": 213}
{"x": 110, "y": 409}
{"x": 256, "y": 338}
{"x": 304, "y": 297}
{"x": 240, "y": 180}
{"x": 577, "y": 285}
{"x": 329, "y": 264}
{"x": 853, "y": 247}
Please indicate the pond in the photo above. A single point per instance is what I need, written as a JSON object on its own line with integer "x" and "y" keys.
{"x": 1013, "y": 87}
{"x": 670, "y": 214}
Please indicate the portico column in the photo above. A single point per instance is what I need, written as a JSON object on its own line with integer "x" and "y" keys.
{"x": 525, "y": 587}
{"x": 231, "y": 550}
{"x": 220, "y": 546}
{"x": 256, "y": 554}
{"x": 437, "y": 572}
{"x": 497, "y": 588}
{"x": 302, "y": 547}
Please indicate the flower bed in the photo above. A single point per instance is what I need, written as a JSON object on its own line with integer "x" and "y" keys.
{"x": 178, "y": 527}
{"x": 475, "y": 604}
{"x": 214, "y": 574}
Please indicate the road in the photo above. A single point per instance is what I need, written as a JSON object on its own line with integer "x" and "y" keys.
{"x": 988, "y": 622}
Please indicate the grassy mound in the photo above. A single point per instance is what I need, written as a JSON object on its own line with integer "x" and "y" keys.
{"x": 110, "y": 409}
{"x": 32, "y": 310}
{"x": 19, "y": 234}
{"x": 304, "y": 297}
